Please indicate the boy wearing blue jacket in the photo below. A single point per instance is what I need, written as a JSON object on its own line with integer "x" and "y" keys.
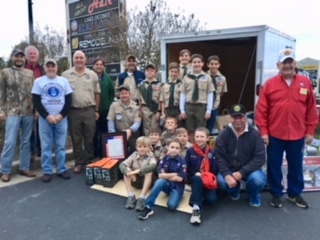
{"x": 200, "y": 159}
{"x": 172, "y": 174}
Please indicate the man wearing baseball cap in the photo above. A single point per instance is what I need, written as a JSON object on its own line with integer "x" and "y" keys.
{"x": 131, "y": 76}
{"x": 52, "y": 100}
{"x": 240, "y": 154}
{"x": 17, "y": 109}
{"x": 286, "y": 116}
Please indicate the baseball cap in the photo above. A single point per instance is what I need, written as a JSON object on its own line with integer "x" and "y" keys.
{"x": 238, "y": 110}
{"x": 209, "y": 180}
{"x": 50, "y": 60}
{"x": 125, "y": 87}
{"x": 130, "y": 56}
{"x": 286, "y": 53}
{"x": 150, "y": 65}
{"x": 17, "y": 51}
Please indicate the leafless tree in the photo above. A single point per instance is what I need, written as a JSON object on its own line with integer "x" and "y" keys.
{"x": 139, "y": 32}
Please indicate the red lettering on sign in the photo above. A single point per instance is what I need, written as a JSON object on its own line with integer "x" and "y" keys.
{"x": 96, "y": 4}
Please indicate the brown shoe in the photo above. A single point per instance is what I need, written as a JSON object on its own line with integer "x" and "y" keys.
{"x": 27, "y": 173}
{"x": 5, "y": 177}
{"x": 77, "y": 169}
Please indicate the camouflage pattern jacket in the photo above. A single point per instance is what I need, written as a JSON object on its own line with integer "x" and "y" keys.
{"x": 15, "y": 92}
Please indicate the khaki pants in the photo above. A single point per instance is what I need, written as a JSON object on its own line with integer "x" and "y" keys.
{"x": 149, "y": 120}
{"x": 82, "y": 125}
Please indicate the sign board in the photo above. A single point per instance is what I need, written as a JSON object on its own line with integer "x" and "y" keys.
{"x": 88, "y": 23}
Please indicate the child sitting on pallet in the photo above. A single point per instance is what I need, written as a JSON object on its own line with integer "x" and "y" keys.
{"x": 138, "y": 171}
{"x": 172, "y": 174}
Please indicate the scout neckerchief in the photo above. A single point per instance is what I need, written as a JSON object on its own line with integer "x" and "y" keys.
{"x": 171, "y": 98}
{"x": 205, "y": 164}
{"x": 146, "y": 94}
{"x": 185, "y": 69}
{"x": 195, "y": 94}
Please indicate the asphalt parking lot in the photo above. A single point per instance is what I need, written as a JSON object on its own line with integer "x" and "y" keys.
{"x": 67, "y": 210}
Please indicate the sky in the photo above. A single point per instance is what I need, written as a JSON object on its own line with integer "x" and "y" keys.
{"x": 299, "y": 19}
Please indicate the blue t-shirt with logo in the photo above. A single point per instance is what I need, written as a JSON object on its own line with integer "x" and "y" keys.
{"x": 52, "y": 92}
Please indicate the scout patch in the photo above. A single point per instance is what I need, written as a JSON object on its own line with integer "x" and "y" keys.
{"x": 119, "y": 117}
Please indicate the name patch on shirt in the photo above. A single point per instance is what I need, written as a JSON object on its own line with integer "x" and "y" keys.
{"x": 303, "y": 91}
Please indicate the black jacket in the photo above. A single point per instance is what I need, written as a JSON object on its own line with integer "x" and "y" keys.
{"x": 245, "y": 154}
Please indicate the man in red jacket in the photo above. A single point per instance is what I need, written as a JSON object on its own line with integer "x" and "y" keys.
{"x": 286, "y": 116}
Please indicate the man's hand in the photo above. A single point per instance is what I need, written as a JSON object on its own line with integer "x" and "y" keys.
{"x": 58, "y": 118}
{"x": 129, "y": 133}
{"x": 309, "y": 139}
{"x": 157, "y": 116}
{"x": 265, "y": 139}
{"x": 237, "y": 176}
{"x": 51, "y": 119}
{"x": 198, "y": 174}
{"x": 230, "y": 181}
{"x": 183, "y": 116}
{"x": 36, "y": 115}
{"x": 207, "y": 116}
{"x": 97, "y": 115}
{"x": 3, "y": 116}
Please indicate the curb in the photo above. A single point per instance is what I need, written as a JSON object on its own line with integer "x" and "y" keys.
{"x": 37, "y": 162}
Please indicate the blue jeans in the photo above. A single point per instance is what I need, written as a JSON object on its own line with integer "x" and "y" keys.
{"x": 13, "y": 126}
{"x": 49, "y": 135}
{"x": 200, "y": 194}
{"x": 294, "y": 155}
{"x": 163, "y": 185}
{"x": 211, "y": 121}
{"x": 255, "y": 182}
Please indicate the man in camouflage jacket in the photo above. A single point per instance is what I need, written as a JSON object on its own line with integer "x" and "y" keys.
{"x": 17, "y": 109}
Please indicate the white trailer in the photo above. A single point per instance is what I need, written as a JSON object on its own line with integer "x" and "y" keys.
{"x": 248, "y": 57}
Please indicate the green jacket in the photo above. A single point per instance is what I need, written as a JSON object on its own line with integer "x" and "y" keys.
{"x": 107, "y": 93}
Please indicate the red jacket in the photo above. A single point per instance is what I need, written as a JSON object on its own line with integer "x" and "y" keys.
{"x": 287, "y": 112}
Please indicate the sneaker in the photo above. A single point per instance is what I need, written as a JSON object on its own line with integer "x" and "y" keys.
{"x": 140, "y": 204}
{"x": 255, "y": 201}
{"x": 276, "y": 202}
{"x": 299, "y": 201}
{"x": 234, "y": 196}
{"x": 64, "y": 175}
{"x": 195, "y": 216}
{"x": 146, "y": 212}
{"x": 131, "y": 202}
{"x": 46, "y": 178}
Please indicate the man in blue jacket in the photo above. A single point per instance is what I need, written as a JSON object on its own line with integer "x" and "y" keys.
{"x": 240, "y": 154}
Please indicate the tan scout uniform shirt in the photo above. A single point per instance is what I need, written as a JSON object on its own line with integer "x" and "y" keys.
{"x": 181, "y": 70}
{"x": 15, "y": 92}
{"x": 184, "y": 149}
{"x": 165, "y": 93}
{"x": 131, "y": 82}
{"x": 134, "y": 161}
{"x": 205, "y": 86}
{"x": 84, "y": 87}
{"x": 221, "y": 88}
{"x": 123, "y": 116}
{"x": 156, "y": 90}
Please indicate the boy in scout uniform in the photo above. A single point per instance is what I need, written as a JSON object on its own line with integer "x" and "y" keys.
{"x": 196, "y": 98}
{"x": 170, "y": 93}
{"x": 184, "y": 66}
{"x": 148, "y": 96}
{"x": 156, "y": 144}
{"x": 220, "y": 85}
{"x": 131, "y": 77}
{"x": 138, "y": 171}
{"x": 124, "y": 116}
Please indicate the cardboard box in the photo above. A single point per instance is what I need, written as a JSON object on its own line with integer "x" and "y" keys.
{"x": 110, "y": 173}
{"x": 97, "y": 170}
